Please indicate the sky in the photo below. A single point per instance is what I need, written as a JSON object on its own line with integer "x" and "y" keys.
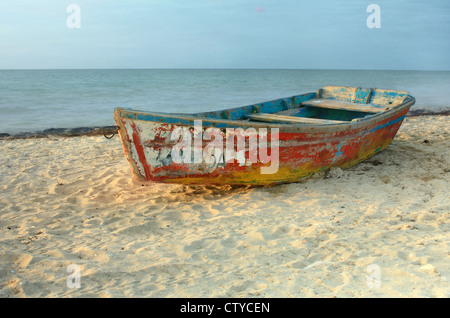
{"x": 269, "y": 34}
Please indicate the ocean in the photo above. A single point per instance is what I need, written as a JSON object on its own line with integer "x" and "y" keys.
{"x": 35, "y": 100}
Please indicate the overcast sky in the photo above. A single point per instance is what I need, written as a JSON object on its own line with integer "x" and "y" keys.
{"x": 319, "y": 34}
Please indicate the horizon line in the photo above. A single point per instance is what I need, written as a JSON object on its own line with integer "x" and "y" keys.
{"x": 218, "y": 68}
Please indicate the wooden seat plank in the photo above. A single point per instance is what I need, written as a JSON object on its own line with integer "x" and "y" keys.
{"x": 336, "y": 104}
{"x": 291, "y": 119}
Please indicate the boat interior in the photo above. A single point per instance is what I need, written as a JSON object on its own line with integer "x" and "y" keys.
{"x": 328, "y": 105}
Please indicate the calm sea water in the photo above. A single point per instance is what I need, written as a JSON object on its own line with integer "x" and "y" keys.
{"x": 33, "y": 100}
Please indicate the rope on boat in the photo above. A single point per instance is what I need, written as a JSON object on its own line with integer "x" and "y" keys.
{"x": 113, "y": 132}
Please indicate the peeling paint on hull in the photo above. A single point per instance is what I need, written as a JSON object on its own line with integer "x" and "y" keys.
{"x": 303, "y": 149}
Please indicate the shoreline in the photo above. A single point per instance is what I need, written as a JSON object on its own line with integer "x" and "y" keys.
{"x": 110, "y": 130}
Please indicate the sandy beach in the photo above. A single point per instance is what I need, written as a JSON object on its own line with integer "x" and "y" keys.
{"x": 379, "y": 229}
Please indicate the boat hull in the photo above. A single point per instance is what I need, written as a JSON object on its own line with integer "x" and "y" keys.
{"x": 302, "y": 149}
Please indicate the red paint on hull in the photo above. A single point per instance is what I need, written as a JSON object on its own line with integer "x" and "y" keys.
{"x": 300, "y": 154}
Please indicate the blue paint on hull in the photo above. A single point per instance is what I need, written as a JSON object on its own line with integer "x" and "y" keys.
{"x": 388, "y": 124}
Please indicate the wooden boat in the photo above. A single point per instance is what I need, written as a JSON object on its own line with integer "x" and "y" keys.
{"x": 332, "y": 127}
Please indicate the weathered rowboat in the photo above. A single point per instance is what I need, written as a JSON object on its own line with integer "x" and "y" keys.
{"x": 272, "y": 142}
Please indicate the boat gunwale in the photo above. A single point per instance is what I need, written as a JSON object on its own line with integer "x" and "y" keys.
{"x": 283, "y": 127}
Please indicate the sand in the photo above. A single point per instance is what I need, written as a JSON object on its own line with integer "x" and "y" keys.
{"x": 73, "y": 223}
